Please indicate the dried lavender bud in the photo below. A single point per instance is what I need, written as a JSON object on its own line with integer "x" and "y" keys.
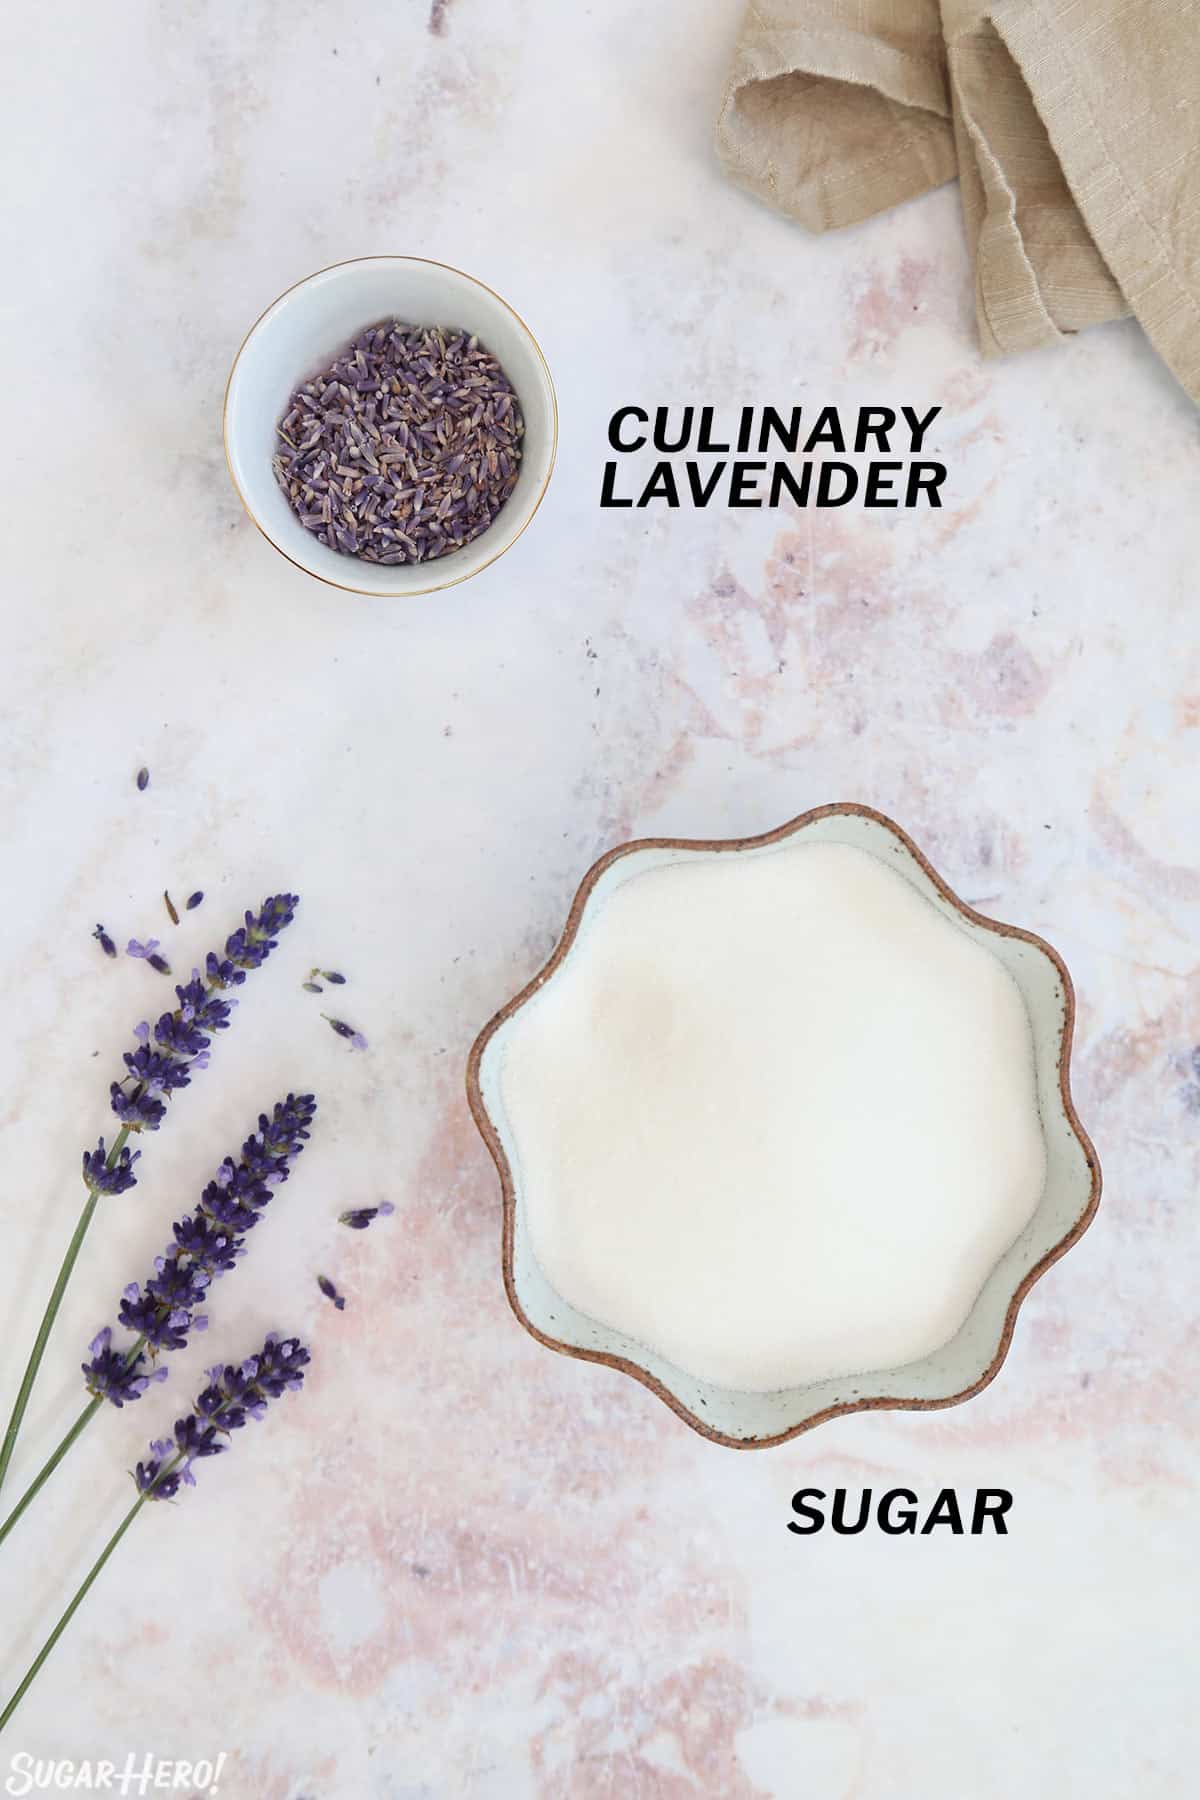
{"x": 232, "y": 1396}
{"x": 160, "y": 963}
{"x": 330, "y": 1292}
{"x": 170, "y": 906}
{"x": 193, "y": 900}
{"x": 182, "y": 1037}
{"x": 359, "y": 1217}
{"x": 312, "y": 987}
{"x": 143, "y": 780}
{"x": 331, "y": 976}
{"x": 145, "y": 951}
{"x": 106, "y": 1174}
{"x": 357, "y": 1040}
{"x": 105, "y": 942}
{"x": 405, "y": 448}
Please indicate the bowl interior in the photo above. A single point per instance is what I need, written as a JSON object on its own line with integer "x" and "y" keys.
{"x": 965, "y": 1360}
{"x": 303, "y": 331}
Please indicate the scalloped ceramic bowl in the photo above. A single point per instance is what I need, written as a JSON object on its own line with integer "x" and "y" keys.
{"x": 301, "y": 331}
{"x": 973, "y": 1356}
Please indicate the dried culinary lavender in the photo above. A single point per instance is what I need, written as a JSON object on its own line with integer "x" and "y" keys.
{"x": 208, "y": 1242}
{"x": 104, "y": 940}
{"x": 172, "y": 909}
{"x": 406, "y": 447}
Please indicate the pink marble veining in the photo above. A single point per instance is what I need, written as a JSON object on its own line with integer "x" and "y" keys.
{"x": 457, "y": 1564}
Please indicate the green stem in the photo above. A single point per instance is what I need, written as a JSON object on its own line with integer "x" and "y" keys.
{"x": 150, "y": 1493}
{"x": 49, "y": 1466}
{"x": 49, "y": 1316}
{"x": 88, "y": 1579}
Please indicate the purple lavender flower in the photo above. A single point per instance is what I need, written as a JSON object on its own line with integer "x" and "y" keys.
{"x": 193, "y": 900}
{"x": 166, "y": 1308}
{"x": 137, "y": 1111}
{"x": 233, "y": 1395}
{"x": 330, "y": 1292}
{"x": 116, "y": 1375}
{"x": 182, "y": 1037}
{"x": 143, "y": 780}
{"x": 357, "y": 1040}
{"x": 359, "y": 1217}
{"x": 105, "y": 942}
{"x": 149, "y": 1477}
{"x": 105, "y": 1177}
{"x": 149, "y": 953}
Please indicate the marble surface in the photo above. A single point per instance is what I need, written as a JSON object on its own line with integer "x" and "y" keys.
{"x": 457, "y": 1564}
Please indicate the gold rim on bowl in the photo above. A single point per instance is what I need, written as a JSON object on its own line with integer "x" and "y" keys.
{"x": 344, "y": 586}
{"x": 625, "y": 1364}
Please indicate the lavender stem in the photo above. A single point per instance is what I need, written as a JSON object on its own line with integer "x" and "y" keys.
{"x": 148, "y": 1493}
{"x": 50, "y": 1314}
{"x": 52, "y": 1461}
{"x": 71, "y": 1610}
{"x": 49, "y": 1466}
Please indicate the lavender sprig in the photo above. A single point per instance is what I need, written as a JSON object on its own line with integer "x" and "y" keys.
{"x": 182, "y": 1038}
{"x": 208, "y": 1242}
{"x": 232, "y": 1396}
{"x": 139, "y": 1098}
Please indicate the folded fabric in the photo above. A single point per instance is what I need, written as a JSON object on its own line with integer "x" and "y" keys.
{"x": 1074, "y": 126}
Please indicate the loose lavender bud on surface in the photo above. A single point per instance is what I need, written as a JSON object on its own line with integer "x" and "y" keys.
{"x": 210, "y": 1241}
{"x": 312, "y": 987}
{"x": 355, "y": 1038}
{"x": 105, "y": 1176}
{"x": 332, "y": 976}
{"x": 182, "y": 1037}
{"x": 143, "y": 780}
{"x": 233, "y": 1396}
{"x": 193, "y": 900}
{"x": 330, "y": 1292}
{"x": 359, "y": 1217}
{"x": 160, "y": 963}
{"x": 170, "y": 906}
{"x": 105, "y": 942}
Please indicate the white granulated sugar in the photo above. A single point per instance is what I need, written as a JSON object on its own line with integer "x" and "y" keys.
{"x": 775, "y": 1116}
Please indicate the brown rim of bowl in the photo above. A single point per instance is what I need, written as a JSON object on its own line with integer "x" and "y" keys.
{"x": 623, "y": 1363}
{"x": 346, "y": 587}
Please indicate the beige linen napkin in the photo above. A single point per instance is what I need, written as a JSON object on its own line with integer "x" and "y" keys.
{"x": 1074, "y": 125}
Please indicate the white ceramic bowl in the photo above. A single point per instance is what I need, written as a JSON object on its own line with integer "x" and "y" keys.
{"x": 304, "y": 329}
{"x": 971, "y": 1358}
